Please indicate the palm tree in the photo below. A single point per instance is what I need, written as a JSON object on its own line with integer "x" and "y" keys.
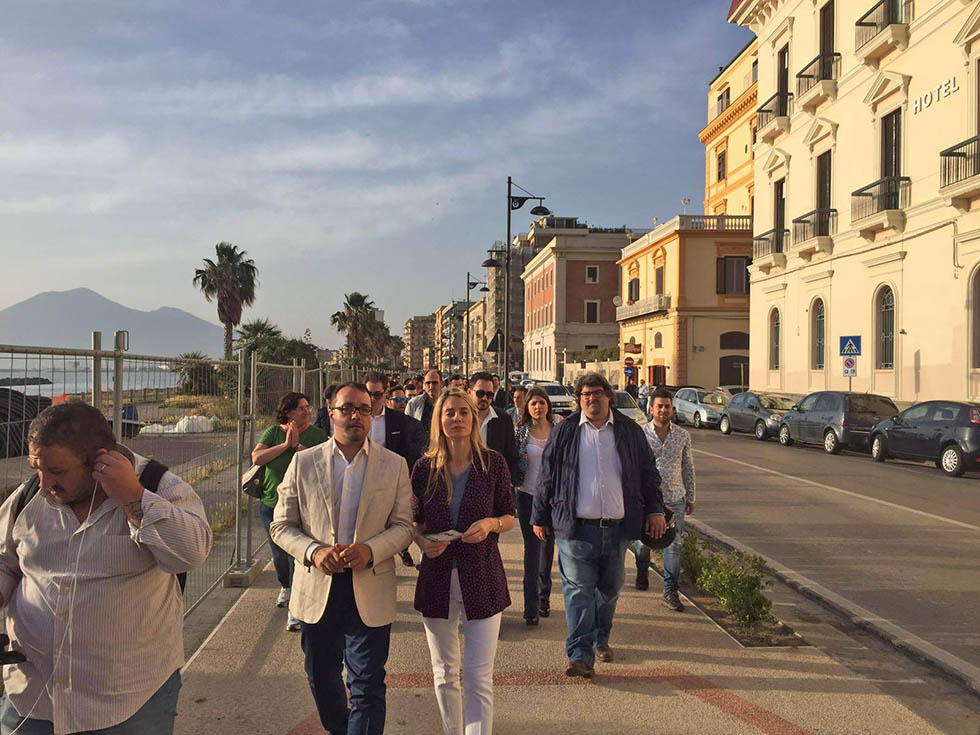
{"x": 232, "y": 280}
{"x": 252, "y": 334}
{"x": 357, "y": 322}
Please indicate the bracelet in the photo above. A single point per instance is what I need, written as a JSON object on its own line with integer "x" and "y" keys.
{"x": 500, "y": 526}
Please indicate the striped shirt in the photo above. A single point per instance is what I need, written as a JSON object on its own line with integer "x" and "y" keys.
{"x": 121, "y": 637}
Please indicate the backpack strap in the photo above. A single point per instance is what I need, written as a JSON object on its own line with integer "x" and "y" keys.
{"x": 31, "y": 488}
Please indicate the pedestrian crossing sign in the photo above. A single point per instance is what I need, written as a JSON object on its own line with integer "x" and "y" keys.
{"x": 850, "y": 346}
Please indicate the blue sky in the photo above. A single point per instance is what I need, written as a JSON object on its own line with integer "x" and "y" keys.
{"x": 345, "y": 146}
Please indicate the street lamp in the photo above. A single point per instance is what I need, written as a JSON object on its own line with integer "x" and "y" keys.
{"x": 471, "y": 283}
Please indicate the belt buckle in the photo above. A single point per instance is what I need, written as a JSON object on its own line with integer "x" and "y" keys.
{"x": 605, "y": 523}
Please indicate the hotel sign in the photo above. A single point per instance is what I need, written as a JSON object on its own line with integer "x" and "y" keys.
{"x": 940, "y": 91}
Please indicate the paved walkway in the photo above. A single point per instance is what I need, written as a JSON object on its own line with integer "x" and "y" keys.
{"x": 674, "y": 673}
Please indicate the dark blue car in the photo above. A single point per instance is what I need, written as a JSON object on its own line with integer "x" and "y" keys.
{"x": 944, "y": 432}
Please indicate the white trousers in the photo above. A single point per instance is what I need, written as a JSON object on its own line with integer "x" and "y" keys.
{"x": 466, "y": 710}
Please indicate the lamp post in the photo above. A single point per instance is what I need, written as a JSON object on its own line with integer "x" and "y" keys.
{"x": 471, "y": 283}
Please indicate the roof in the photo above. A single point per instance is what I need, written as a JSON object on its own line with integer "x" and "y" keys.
{"x": 734, "y": 7}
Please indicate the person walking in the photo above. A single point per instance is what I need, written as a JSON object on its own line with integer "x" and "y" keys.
{"x": 395, "y": 398}
{"x": 534, "y": 428}
{"x": 344, "y": 511}
{"x": 496, "y": 428}
{"x": 520, "y": 396}
{"x": 671, "y": 446}
{"x": 599, "y": 489}
{"x": 420, "y": 408}
{"x": 644, "y": 396}
{"x": 461, "y": 486}
{"x": 291, "y": 433}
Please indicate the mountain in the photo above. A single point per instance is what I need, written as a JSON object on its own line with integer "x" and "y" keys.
{"x": 68, "y": 318}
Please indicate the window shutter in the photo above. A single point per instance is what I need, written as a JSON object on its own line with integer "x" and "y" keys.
{"x": 720, "y": 275}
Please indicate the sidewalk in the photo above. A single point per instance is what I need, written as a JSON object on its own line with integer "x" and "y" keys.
{"x": 674, "y": 673}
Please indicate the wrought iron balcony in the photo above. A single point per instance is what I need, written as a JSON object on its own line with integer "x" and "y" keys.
{"x": 818, "y": 223}
{"x": 769, "y": 243}
{"x": 889, "y": 192}
{"x": 883, "y": 27}
{"x": 959, "y": 170}
{"x": 818, "y": 80}
{"x": 650, "y": 305}
{"x": 773, "y": 115}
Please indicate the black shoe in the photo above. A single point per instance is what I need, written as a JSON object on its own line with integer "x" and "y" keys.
{"x": 544, "y": 612}
{"x": 642, "y": 580}
{"x": 672, "y": 601}
{"x": 530, "y": 621}
{"x": 579, "y": 668}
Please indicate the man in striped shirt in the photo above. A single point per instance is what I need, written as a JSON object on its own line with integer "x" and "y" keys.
{"x": 88, "y": 585}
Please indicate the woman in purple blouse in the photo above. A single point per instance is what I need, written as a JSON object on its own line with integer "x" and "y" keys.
{"x": 461, "y": 487}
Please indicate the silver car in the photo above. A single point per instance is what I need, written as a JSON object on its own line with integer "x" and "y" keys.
{"x": 562, "y": 401}
{"x": 699, "y": 407}
{"x": 626, "y": 405}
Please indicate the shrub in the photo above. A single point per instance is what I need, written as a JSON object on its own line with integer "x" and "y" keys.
{"x": 738, "y": 584}
{"x": 691, "y": 554}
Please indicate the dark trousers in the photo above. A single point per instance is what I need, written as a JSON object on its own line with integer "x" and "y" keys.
{"x": 538, "y": 559}
{"x": 282, "y": 561}
{"x": 341, "y": 638}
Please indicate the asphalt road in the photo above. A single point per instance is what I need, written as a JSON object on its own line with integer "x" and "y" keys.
{"x": 899, "y": 539}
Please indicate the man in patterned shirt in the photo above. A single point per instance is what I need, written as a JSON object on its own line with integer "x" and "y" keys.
{"x": 671, "y": 446}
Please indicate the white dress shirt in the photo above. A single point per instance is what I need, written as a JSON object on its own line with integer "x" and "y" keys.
{"x": 600, "y": 473}
{"x": 348, "y": 481}
{"x": 491, "y": 414}
{"x": 377, "y": 430}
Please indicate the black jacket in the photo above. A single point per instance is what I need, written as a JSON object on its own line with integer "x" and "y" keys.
{"x": 500, "y": 438}
{"x": 323, "y": 420}
{"x": 404, "y": 436}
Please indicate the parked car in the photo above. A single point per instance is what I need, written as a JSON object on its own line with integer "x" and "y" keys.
{"x": 757, "y": 413}
{"x": 563, "y": 402}
{"x": 699, "y": 407}
{"x": 835, "y": 419}
{"x": 731, "y": 390}
{"x": 945, "y": 432}
{"x": 626, "y": 404}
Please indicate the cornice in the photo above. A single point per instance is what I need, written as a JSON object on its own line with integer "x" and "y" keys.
{"x": 745, "y": 101}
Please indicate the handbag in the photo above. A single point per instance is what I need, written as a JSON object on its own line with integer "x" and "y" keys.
{"x": 252, "y": 481}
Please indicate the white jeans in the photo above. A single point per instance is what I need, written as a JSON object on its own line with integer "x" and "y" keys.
{"x": 474, "y": 700}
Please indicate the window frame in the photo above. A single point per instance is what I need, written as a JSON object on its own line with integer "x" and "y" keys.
{"x": 598, "y": 311}
{"x": 818, "y": 342}
{"x": 884, "y": 341}
{"x": 587, "y": 269}
{"x": 775, "y": 338}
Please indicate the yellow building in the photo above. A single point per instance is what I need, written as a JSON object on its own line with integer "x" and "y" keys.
{"x": 475, "y": 336}
{"x": 729, "y": 137}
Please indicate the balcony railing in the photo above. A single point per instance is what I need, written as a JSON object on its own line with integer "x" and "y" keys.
{"x": 649, "y": 305}
{"x": 825, "y": 66}
{"x": 769, "y": 242}
{"x": 890, "y": 192}
{"x": 779, "y": 105}
{"x": 960, "y": 162}
{"x": 818, "y": 223}
{"x": 715, "y": 222}
{"x": 882, "y": 14}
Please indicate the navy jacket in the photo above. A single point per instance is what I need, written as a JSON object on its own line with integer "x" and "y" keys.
{"x": 557, "y": 493}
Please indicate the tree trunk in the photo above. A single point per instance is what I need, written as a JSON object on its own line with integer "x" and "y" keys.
{"x": 228, "y": 330}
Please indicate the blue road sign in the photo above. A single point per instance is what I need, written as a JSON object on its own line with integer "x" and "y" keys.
{"x": 850, "y": 346}
{"x": 628, "y": 371}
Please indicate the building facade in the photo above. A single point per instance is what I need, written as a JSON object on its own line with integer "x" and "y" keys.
{"x": 419, "y": 334}
{"x": 867, "y": 196}
{"x": 449, "y": 337}
{"x": 475, "y": 336}
{"x": 684, "y": 317}
{"x": 569, "y": 288}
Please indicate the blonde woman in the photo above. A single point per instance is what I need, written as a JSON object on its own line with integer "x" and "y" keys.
{"x": 460, "y": 486}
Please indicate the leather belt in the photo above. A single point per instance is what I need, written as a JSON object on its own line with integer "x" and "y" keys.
{"x": 601, "y": 522}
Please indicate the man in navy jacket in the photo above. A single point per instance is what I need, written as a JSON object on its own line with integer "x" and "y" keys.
{"x": 598, "y": 490}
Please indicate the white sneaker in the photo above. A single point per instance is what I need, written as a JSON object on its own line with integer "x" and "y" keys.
{"x": 283, "y": 599}
{"x": 292, "y": 623}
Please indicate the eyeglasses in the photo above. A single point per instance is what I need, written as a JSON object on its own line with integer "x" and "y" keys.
{"x": 349, "y": 410}
{"x": 590, "y": 394}
{"x": 376, "y": 394}
{"x": 483, "y": 393}
{"x": 398, "y": 399}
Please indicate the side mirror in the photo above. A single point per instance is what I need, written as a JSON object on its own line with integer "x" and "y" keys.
{"x": 795, "y": 408}
{"x": 896, "y": 419}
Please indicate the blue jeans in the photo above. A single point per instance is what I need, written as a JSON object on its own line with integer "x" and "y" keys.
{"x": 538, "y": 558}
{"x": 282, "y": 561}
{"x": 592, "y": 574}
{"x": 156, "y": 717}
{"x": 672, "y": 554}
{"x": 341, "y": 638}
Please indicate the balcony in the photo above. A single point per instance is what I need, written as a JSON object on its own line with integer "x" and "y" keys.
{"x": 817, "y": 82}
{"x": 741, "y": 222}
{"x": 813, "y": 233}
{"x": 773, "y": 116}
{"x": 959, "y": 173}
{"x": 651, "y": 305}
{"x": 879, "y": 206}
{"x": 883, "y": 28}
{"x": 768, "y": 250}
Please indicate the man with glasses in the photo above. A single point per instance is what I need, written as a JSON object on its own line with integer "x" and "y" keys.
{"x": 496, "y": 428}
{"x": 395, "y": 398}
{"x": 598, "y": 490}
{"x": 344, "y": 511}
{"x": 420, "y": 407}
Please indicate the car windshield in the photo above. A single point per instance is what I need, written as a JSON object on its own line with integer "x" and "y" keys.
{"x": 779, "y": 403}
{"x": 713, "y": 399}
{"x": 624, "y": 400}
{"x": 871, "y": 404}
{"x": 555, "y": 390}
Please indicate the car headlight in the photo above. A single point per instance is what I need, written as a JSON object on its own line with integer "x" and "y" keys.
{"x": 712, "y": 413}
{"x": 775, "y": 417}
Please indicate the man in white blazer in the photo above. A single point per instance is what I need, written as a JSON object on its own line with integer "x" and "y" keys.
{"x": 344, "y": 511}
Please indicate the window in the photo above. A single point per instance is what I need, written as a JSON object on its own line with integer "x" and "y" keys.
{"x": 885, "y": 329}
{"x": 755, "y": 70}
{"x": 827, "y": 402}
{"x": 724, "y": 101}
{"x": 817, "y": 320}
{"x": 659, "y": 280}
{"x": 891, "y": 145}
{"x": 808, "y": 403}
{"x": 735, "y": 341}
{"x": 975, "y": 320}
{"x": 732, "y": 276}
{"x": 591, "y": 274}
{"x": 946, "y": 413}
{"x": 917, "y": 413}
{"x": 774, "y": 340}
{"x": 721, "y": 165}
{"x": 634, "y": 290}
{"x": 592, "y": 347}
{"x": 658, "y": 341}
{"x": 591, "y": 312}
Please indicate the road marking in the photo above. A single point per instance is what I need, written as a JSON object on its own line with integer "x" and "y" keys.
{"x": 831, "y": 488}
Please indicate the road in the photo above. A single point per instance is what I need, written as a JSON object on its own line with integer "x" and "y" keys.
{"x": 899, "y": 539}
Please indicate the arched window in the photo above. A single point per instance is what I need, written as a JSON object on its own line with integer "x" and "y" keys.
{"x": 658, "y": 341}
{"x": 885, "y": 329}
{"x": 774, "y": 339}
{"x": 734, "y": 341}
{"x": 975, "y": 319}
{"x": 817, "y": 332}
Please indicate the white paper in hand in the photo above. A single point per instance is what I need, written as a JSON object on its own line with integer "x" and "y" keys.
{"x": 450, "y": 535}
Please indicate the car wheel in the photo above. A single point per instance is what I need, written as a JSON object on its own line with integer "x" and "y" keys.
{"x": 951, "y": 461}
{"x": 831, "y": 443}
{"x": 878, "y": 451}
{"x": 725, "y": 426}
{"x": 760, "y": 431}
{"x": 784, "y": 436}
{"x": 697, "y": 419}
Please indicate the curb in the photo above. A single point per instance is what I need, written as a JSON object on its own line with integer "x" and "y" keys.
{"x": 896, "y": 636}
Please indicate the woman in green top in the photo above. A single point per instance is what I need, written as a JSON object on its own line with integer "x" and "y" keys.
{"x": 277, "y": 445}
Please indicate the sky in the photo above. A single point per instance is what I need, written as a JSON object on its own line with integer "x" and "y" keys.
{"x": 345, "y": 146}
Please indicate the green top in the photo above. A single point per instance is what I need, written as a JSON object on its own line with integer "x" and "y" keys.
{"x": 276, "y": 469}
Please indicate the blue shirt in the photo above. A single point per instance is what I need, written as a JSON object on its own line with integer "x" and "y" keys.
{"x": 459, "y": 488}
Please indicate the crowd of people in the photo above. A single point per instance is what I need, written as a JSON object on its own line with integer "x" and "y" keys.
{"x": 441, "y": 466}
